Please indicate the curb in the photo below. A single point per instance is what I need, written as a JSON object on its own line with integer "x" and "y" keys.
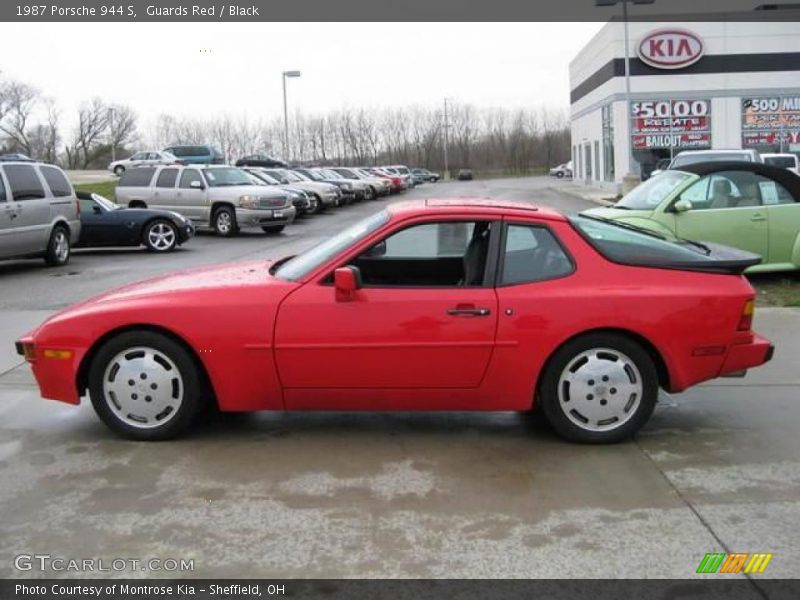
{"x": 574, "y": 194}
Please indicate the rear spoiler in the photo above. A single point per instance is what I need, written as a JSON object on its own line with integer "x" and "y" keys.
{"x": 720, "y": 259}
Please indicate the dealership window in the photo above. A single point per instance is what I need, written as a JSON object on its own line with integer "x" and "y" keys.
{"x": 597, "y": 160}
{"x": 587, "y": 161}
{"x": 608, "y": 142}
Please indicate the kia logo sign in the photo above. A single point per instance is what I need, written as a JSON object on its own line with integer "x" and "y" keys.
{"x": 670, "y": 49}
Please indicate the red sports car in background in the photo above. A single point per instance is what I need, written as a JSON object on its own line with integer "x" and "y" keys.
{"x": 428, "y": 305}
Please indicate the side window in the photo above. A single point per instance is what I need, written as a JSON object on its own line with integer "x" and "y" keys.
{"x": 697, "y": 193}
{"x": 137, "y": 177}
{"x": 726, "y": 189}
{"x": 443, "y": 254}
{"x": 56, "y": 181}
{"x": 188, "y": 176}
{"x": 2, "y": 190}
{"x": 24, "y": 182}
{"x": 167, "y": 177}
{"x": 87, "y": 206}
{"x": 532, "y": 254}
{"x": 772, "y": 192}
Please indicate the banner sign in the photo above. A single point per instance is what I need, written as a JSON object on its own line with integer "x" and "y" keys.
{"x": 770, "y": 121}
{"x": 680, "y": 124}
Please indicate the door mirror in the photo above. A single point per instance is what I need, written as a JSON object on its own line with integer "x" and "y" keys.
{"x": 682, "y": 205}
{"x": 378, "y": 249}
{"x": 197, "y": 185}
{"x": 346, "y": 280}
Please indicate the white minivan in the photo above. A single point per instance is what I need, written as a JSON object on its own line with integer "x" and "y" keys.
{"x": 39, "y": 212}
{"x": 786, "y": 160}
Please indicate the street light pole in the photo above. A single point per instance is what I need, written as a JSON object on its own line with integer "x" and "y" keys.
{"x": 286, "y": 114}
{"x": 631, "y": 161}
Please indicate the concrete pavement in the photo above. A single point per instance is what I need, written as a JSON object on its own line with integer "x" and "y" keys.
{"x": 396, "y": 494}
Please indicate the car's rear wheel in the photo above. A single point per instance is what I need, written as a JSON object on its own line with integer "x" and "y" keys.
{"x": 145, "y": 386}
{"x": 225, "y": 221}
{"x": 58, "y": 250}
{"x": 560, "y": 174}
{"x": 160, "y": 236}
{"x": 273, "y": 228}
{"x": 370, "y": 193}
{"x": 599, "y": 388}
{"x": 119, "y": 170}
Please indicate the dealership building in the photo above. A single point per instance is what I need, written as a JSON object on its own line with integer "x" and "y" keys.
{"x": 697, "y": 85}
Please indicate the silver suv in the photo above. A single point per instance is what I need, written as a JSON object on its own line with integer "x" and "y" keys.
{"x": 220, "y": 197}
{"x": 39, "y": 212}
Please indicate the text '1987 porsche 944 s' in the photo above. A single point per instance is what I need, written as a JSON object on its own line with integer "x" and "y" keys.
{"x": 457, "y": 304}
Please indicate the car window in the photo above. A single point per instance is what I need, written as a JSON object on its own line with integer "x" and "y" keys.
{"x": 2, "y": 190}
{"x": 188, "y": 176}
{"x": 56, "y": 181}
{"x": 136, "y": 177}
{"x": 226, "y": 177}
{"x": 727, "y": 189}
{"x": 627, "y": 246}
{"x": 138, "y": 156}
{"x": 532, "y": 254}
{"x": 441, "y": 254}
{"x": 166, "y": 178}
{"x": 772, "y": 192}
{"x": 87, "y": 206}
{"x": 24, "y": 182}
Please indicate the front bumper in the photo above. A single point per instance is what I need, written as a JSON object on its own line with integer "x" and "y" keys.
{"x": 747, "y": 355}
{"x": 259, "y": 217}
{"x": 185, "y": 232}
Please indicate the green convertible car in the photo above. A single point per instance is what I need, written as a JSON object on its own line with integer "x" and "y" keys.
{"x": 752, "y": 206}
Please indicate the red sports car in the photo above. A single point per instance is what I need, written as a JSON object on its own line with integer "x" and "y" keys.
{"x": 428, "y": 305}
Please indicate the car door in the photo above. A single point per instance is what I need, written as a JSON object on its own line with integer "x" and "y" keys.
{"x": 8, "y": 243}
{"x": 92, "y": 224}
{"x": 783, "y": 217}
{"x": 414, "y": 323}
{"x": 190, "y": 195}
{"x": 165, "y": 192}
{"x": 727, "y": 209}
{"x": 31, "y": 203}
{"x": 138, "y": 159}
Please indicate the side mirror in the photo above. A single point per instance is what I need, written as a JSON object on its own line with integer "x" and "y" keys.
{"x": 682, "y": 205}
{"x": 346, "y": 280}
{"x": 198, "y": 185}
{"x": 378, "y": 249}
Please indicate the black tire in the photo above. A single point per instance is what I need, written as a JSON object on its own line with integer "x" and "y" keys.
{"x": 603, "y": 392}
{"x": 317, "y": 206}
{"x": 119, "y": 170}
{"x": 136, "y": 204}
{"x": 433, "y": 179}
{"x": 160, "y": 235}
{"x": 273, "y": 228}
{"x": 58, "y": 248}
{"x": 224, "y": 221}
{"x": 191, "y": 388}
{"x": 560, "y": 174}
{"x": 372, "y": 193}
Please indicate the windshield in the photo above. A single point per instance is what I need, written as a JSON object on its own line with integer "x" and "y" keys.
{"x": 262, "y": 175}
{"x": 787, "y": 162}
{"x": 331, "y": 174}
{"x": 302, "y": 264}
{"x": 226, "y": 176}
{"x": 651, "y": 193}
{"x": 347, "y": 173}
{"x": 105, "y": 202}
{"x": 310, "y": 174}
{"x": 294, "y": 177}
{"x": 690, "y": 159}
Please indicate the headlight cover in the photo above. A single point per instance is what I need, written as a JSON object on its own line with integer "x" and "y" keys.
{"x": 248, "y": 201}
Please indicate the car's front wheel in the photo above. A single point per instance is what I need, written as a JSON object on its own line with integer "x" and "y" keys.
{"x": 160, "y": 236}
{"x": 560, "y": 174}
{"x": 58, "y": 250}
{"x": 145, "y": 386}
{"x": 225, "y": 221}
{"x": 599, "y": 388}
{"x": 119, "y": 170}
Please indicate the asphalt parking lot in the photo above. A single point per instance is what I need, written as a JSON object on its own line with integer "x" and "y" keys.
{"x": 400, "y": 494}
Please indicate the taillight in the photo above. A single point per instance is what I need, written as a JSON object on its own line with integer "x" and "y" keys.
{"x": 746, "y": 320}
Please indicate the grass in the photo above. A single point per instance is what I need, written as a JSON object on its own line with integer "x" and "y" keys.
{"x": 104, "y": 188}
{"x": 777, "y": 289}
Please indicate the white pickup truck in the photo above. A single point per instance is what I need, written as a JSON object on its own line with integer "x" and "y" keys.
{"x": 220, "y": 197}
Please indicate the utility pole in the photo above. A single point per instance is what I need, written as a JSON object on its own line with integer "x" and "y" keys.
{"x": 446, "y": 174}
{"x": 113, "y": 137}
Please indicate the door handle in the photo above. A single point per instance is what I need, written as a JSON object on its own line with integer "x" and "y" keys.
{"x": 758, "y": 218}
{"x": 469, "y": 312}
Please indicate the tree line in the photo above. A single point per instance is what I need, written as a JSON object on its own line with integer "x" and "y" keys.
{"x": 483, "y": 138}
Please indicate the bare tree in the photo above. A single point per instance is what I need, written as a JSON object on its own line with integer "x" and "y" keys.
{"x": 92, "y": 126}
{"x": 122, "y": 127}
{"x": 18, "y": 101}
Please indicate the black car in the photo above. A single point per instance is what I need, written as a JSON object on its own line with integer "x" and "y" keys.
{"x": 104, "y": 224}
{"x": 466, "y": 175}
{"x": 260, "y": 160}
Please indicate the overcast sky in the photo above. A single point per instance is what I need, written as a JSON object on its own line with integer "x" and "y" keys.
{"x": 198, "y": 69}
